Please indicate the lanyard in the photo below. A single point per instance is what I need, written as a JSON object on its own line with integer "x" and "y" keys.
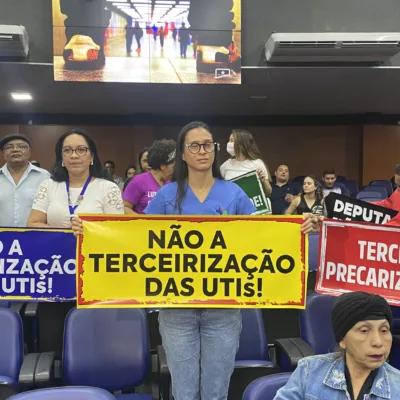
{"x": 80, "y": 197}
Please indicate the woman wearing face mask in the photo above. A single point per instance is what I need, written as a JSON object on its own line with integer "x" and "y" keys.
{"x": 361, "y": 324}
{"x": 246, "y": 157}
{"x": 311, "y": 200}
{"x": 142, "y": 188}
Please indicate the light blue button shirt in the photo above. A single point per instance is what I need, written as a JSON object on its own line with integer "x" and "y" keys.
{"x": 16, "y": 200}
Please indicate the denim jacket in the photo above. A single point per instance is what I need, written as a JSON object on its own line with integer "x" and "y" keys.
{"x": 322, "y": 378}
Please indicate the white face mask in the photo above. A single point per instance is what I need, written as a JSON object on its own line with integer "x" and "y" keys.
{"x": 230, "y": 148}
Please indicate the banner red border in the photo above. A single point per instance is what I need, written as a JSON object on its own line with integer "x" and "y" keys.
{"x": 187, "y": 218}
{"x": 327, "y": 223}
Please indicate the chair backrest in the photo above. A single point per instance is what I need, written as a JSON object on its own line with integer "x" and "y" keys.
{"x": 298, "y": 186}
{"x": 352, "y": 187}
{"x": 265, "y": 388}
{"x": 253, "y": 343}
{"x": 5, "y": 304}
{"x": 313, "y": 246}
{"x": 387, "y": 184}
{"x": 377, "y": 188}
{"x": 344, "y": 188}
{"x": 65, "y": 393}
{"x": 371, "y": 199}
{"x": 107, "y": 348}
{"x": 396, "y": 319}
{"x": 11, "y": 345}
{"x": 315, "y": 323}
{"x": 369, "y": 194}
{"x": 299, "y": 179}
{"x": 340, "y": 178}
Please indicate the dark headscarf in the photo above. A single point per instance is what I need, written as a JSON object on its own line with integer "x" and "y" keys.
{"x": 351, "y": 308}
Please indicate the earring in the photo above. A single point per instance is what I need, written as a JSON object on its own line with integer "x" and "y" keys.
{"x": 62, "y": 164}
{"x": 91, "y": 162}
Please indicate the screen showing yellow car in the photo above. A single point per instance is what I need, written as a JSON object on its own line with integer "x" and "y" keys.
{"x": 147, "y": 41}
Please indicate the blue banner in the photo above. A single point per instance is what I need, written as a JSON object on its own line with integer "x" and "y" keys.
{"x": 37, "y": 265}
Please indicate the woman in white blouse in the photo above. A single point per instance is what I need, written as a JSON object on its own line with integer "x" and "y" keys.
{"x": 245, "y": 157}
{"x": 78, "y": 185}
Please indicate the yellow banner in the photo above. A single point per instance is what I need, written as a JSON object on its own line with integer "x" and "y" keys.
{"x": 225, "y": 262}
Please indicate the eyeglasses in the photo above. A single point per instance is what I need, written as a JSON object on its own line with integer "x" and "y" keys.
{"x": 79, "y": 151}
{"x": 19, "y": 146}
{"x": 208, "y": 147}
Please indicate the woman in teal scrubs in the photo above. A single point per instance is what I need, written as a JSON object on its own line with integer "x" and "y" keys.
{"x": 200, "y": 344}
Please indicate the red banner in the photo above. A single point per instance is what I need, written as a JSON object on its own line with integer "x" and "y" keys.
{"x": 359, "y": 257}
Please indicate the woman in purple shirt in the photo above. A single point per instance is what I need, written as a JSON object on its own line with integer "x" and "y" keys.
{"x": 142, "y": 188}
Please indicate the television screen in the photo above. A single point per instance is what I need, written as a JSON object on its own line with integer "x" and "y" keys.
{"x": 148, "y": 41}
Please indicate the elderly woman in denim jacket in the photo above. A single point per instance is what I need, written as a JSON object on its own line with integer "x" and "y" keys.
{"x": 361, "y": 324}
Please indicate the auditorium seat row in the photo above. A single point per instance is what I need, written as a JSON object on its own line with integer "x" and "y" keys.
{"x": 122, "y": 336}
{"x": 264, "y": 388}
{"x": 109, "y": 349}
{"x": 67, "y": 393}
{"x": 253, "y": 359}
{"x": 376, "y": 190}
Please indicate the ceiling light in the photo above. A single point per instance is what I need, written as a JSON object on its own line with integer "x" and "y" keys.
{"x": 21, "y": 96}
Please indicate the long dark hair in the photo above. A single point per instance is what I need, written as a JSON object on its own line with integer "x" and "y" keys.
{"x": 245, "y": 145}
{"x": 60, "y": 173}
{"x": 139, "y": 169}
{"x": 319, "y": 195}
{"x": 126, "y": 171}
{"x": 180, "y": 174}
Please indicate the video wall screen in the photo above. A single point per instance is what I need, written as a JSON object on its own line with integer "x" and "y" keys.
{"x": 148, "y": 41}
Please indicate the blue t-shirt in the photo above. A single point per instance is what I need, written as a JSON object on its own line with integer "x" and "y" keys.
{"x": 224, "y": 198}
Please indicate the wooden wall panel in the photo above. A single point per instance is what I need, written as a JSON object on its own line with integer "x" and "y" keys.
{"x": 120, "y": 144}
{"x": 8, "y": 129}
{"x": 307, "y": 150}
{"x": 381, "y": 151}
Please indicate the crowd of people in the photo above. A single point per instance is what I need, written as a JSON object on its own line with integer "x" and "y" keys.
{"x": 182, "y": 34}
{"x": 185, "y": 178}
{"x": 31, "y": 196}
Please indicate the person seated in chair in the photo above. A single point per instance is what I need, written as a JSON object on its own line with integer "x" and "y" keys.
{"x": 329, "y": 183}
{"x": 361, "y": 323}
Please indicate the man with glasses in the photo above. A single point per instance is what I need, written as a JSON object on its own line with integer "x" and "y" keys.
{"x": 19, "y": 180}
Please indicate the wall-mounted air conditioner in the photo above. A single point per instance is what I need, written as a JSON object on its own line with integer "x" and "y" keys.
{"x": 331, "y": 47}
{"x": 14, "y": 41}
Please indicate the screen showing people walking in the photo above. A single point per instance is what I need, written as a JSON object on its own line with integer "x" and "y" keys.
{"x": 147, "y": 41}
